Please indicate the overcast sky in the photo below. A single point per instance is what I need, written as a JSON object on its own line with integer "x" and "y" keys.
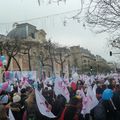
{"x": 73, "y": 33}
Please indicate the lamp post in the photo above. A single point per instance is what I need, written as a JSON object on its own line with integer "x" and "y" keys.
{"x": 51, "y": 55}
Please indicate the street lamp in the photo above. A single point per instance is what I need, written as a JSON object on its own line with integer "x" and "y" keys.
{"x": 110, "y": 53}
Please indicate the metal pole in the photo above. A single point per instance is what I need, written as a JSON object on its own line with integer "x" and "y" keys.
{"x": 40, "y": 70}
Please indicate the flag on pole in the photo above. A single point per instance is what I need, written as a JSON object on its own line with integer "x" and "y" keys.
{"x": 61, "y": 88}
{"x": 94, "y": 100}
{"x": 44, "y": 110}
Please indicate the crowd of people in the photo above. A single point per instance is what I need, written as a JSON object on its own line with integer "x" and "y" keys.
{"x": 22, "y": 102}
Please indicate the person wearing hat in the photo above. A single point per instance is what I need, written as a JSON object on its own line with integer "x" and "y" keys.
{"x": 106, "y": 109}
{"x": 59, "y": 105}
{"x": 16, "y": 107}
{"x": 3, "y": 99}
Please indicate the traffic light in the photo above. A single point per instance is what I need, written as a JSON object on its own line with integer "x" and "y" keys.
{"x": 90, "y": 67}
{"x": 110, "y": 53}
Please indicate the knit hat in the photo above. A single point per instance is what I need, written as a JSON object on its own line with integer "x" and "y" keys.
{"x": 107, "y": 94}
{"x": 16, "y": 98}
{"x": 4, "y": 99}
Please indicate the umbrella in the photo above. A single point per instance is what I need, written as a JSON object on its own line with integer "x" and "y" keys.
{"x": 107, "y": 94}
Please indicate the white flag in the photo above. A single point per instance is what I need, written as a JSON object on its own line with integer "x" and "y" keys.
{"x": 94, "y": 89}
{"x": 61, "y": 88}
{"x": 86, "y": 105}
{"x": 75, "y": 77}
{"x": 42, "y": 106}
{"x": 106, "y": 82}
{"x": 92, "y": 96}
{"x": 11, "y": 117}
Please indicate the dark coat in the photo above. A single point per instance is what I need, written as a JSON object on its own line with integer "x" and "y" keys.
{"x": 59, "y": 105}
{"x": 105, "y": 110}
{"x": 17, "y": 113}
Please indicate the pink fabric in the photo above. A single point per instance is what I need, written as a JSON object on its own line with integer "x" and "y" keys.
{"x": 5, "y": 86}
{"x": 7, "y": 73}
{"x": 73, "y": 85}
{"x": 1, "y": 64}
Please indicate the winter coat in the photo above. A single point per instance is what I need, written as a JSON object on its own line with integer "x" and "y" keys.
{"x": 16, "y": 110}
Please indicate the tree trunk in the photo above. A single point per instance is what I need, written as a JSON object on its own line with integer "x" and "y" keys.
{"x": 17, "y": 63}
{"x": 29, "y": 60}
{"x": 8, "y": 64}
{"x": 62, "y": 68}
{"x": 51, "y": 58}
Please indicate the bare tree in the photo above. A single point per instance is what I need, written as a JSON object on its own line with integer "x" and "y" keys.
{"x": 114, "y": 42}
{"x": 104, "y": 15}
{"x": 60, "y": 56}
{"x": 11, "y": 48}
{"x": 45, "y": 55}
{"x": 26, "y": 49}
{"x": 34, "y": 47}
{"x": 50, "y": 47}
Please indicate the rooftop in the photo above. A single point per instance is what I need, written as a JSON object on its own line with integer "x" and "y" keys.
{"x": 22, "y": 31}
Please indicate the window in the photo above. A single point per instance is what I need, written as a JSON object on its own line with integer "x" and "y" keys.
{"x": 33, "y": 35}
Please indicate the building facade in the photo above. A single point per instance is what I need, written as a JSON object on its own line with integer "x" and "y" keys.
{"x": 38, "y": 54}
{"x": 35, "y": 52}
{"x": 82, "y": 60}
{"x": 85, "y": 62}
{"x": 102, "y": 65}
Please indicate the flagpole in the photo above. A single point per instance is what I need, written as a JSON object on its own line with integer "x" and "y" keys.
{"x": 40, "y": 69}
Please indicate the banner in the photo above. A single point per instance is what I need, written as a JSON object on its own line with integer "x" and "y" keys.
{"x": 92, "y": 96}
{"x": 61, "y": 88}
{"x": 42, "y": 106}
{"x": 89, "y": 101}
{"x": 20, "y": 75}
